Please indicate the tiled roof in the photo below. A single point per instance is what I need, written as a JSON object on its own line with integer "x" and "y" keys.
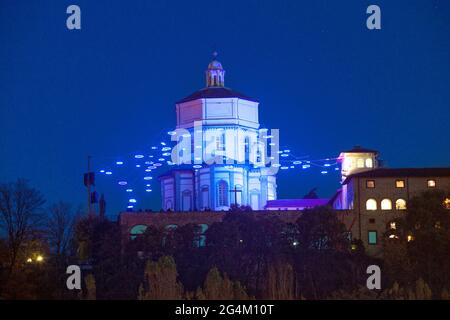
{"x": 215, "y": 92}
{"x": 401, "y": 172}
{"x": 359, "y": 149}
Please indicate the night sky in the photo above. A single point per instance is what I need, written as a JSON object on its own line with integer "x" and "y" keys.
{"x": 325, "y": 80}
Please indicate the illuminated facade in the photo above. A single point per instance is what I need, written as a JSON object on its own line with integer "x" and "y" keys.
{"x": 222, "y": 141}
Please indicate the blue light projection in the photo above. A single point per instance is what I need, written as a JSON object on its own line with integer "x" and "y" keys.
{"x": 135, "y": 170}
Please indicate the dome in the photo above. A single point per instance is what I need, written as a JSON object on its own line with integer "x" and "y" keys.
{"x": 214, "y": 65}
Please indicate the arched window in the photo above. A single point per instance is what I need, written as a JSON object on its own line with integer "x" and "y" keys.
{"x": 137, "y": 230}
{"x": 400, "y": 204}
{"x": 369, "y": 163}
{"x": 205, "y": 197}
{"x": 187, "y": 201}
{"x": 371, "y": 204}
{"x": 170, "y": 227}
{"x": 222, "y": 194}
{"x": 386, "y": 204}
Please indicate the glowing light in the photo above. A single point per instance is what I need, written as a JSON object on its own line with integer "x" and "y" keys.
{"x": 138, "y": 166}
{"x": 148, "y": 170}
{"x": 132, "y": 201}
{"x": 39, "y": 258}
{"x": 129, "y": 190}
{"x": 147, "y": 185}
{"x": 326, "y": 165}
{"x": 130, "y": 207}
{"x": 102, "y": 171}
{"x": 161, "y": 159}
{"x": 276, "y": 165}
{"x": 29, "y": 260}
{"x": 148, "y": 190}
{"x": 166, "y": 154}
{"x": 272, "y": 144}
{"x": 166, "y": 149}
{"x": 285, "y": 155}
{"x": 297, "y": 162}
{"x": 119, "y": 163}
{"x": 305, "y": 166}
{"x": 139, "y": 156}
{"x": 148, "y": 178}
{"x": 158, "y": 164}
{"x": 197, "y": 166}
{"x": 154, "y": 148}
{"x": 171, "y": 133}
{"x": 284, "y": 168}
{"x": 198, "y": 147}
{"x": 108, "y": 173}
{"x": 122, "y": 183}
{"x": 336, "y": 169}
{"x": 163, "y": 143}
{"x": 410, "y": 238}
{"x": 324, "y": 172}
{"x": 279, "y": 152}
{"x": 292, "y": 167}
{"x": 268, "y": 137}
{"x": 287, "y": 151}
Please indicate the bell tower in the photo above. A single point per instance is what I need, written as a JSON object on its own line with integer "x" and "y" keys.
{"x": 215, "y": 75}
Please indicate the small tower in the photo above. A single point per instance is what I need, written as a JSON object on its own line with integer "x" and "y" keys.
{"x": 215, "y": 75}
{"x": 357, "y": 160}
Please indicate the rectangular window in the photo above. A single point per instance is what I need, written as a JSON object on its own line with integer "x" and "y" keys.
{"x": 371, "y": 220}
{"x": 431, "y": 183}
{"x": 400, "y": 183}
{"x": 370, "y": 184}
{"x": 372, "y": 237}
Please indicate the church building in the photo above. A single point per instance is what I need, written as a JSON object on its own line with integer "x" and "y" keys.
{"x": 227, "y": 150}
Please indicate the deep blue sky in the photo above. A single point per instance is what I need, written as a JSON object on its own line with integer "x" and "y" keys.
{"x": 322, "y": 78}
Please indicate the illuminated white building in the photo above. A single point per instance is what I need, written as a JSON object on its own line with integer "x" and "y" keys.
{"x": 227, "y": 150}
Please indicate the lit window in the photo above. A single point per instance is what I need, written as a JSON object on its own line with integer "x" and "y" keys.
{"x": 431, "y": 183}
{"x": 372, "y": 237}
{"x": 386, "y": 204}
{"x": 371, "y": 204}
{"x": 222, "y": 194}
{"x": 369, "y": 163}
{"x": 393, "y": 225}
{"x": 360, "y": 163}
{"x": 400, "y": 183}
{"x": 447, "y": 203}
{"x": 400, "y": 204}
{"x": 370, "y": 183}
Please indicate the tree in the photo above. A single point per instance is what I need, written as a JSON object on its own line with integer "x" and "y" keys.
{"x": 217, "y": 287}
{"x": 161, "y": 281}
{"x": 20, "y": 216}
{"x": 324, "y": 262}
{"x": 319, "y": 228}
{"x": 280, "y": 281}
{"x": 60, "y": 226}
{"x": 312, "y": 194}
{"x": 424, "y": 235}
